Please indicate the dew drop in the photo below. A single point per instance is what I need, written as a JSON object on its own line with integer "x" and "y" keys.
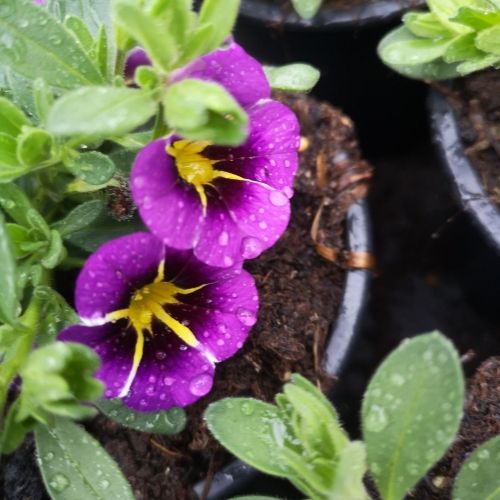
{"x": 473, "y": 465}
{"x": 200, "y": 385}
{"x": 246, "y": 317}
{"x": 397, "y": 379}
{"x": 223, "y": 238}
{"x": 250, "y": 247}
{"x": 247, "y": 408}
{"x": 59, "y": 482}
{"x": 376, "y": 420}
{"x": 104, "y": 484}
{"x": 160, "y": 355}
{"x": 168, "y": 381}
{"x": 277, "y": 198}
{"x": 49, "y": 456}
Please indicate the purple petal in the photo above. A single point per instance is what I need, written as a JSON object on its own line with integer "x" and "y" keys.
{"x": 221, "y": 314}
{"x": 114, "y": 272}
{"x": 170, "y": 374}
{"x": 234, "y": 69}
{"x": 135, "y": 58}
{"x": 115, "y": 346}
{"x": 170, "y": 208}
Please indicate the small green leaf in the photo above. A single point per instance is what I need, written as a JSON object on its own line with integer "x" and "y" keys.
{"x": 10, "y": 168}
{"x": 246, "y": 427}
{"x": 15, "y": 203}
{"x": 12, "y": 118}
{"x": 148, "y": 31}
{"x": 38, "y": 224}
{"x": 92, "y": 167}
{"x": 146, "y": 77}
{"x": 13, "y": 431}
{"x": 36, "y": 45}
{"x": 489, "y": 39}
{"x": 101, "y": 50}
{"x": 306, "y": 8}
{"x": 100, "y": 111}
{"x": 349, "y": 473}
{"x": 220, "y": 14}
{"x": 195, "y": 45}
{"x": 56, "y": 251}
{"x": 437, "y": 69}
{"x": 8, "y": 288}
{"x": 43, "y": 99}
{"x": 80, "y": 30}
{"x": 79, "y": 218}
{"x": 162, "y": 422}
{"x": 34, "y": 147}
{"x": 201, "y": 110}
{"x": 18, "y": 235}
{"x": 74, "y": 465}
{"x": 292, "y": 77}
{"x": 478, "y": 478}
{"x": 462, "y": 48}
{"x": 477, "y": 19}
{"x": 478, "y": 63}
{"x": 426, "y": 25}
{"x": 411, "y": 412}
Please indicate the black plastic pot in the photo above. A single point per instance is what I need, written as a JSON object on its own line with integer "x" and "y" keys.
{"x": 328, "y": 17}
{"x": 235, "y": 478}
{"x": 467, "y": 184}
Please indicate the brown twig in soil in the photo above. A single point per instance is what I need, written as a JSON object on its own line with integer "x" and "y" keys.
{"x": 209, "y": 478}
{"x": 326, "y": 252}
{"x": 167, "y": 452}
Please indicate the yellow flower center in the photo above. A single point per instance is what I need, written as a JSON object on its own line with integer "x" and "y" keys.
{"x": 147, "y": 304}
{"x": 197, "y": 169}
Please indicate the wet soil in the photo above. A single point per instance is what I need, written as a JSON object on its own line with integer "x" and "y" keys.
{"x": 300, "y": 291}
{"x": 477, "y": 100}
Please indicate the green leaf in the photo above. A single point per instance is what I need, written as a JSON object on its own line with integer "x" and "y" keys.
{"x": 148, "y": 31}
{"x": 13, "y": 431}
{"x": 8, "y": 289}
{"x": 92, "y": 167}
{"x": 477, "y": 64}
{"x": 195, "y": 45}
{"x": 56, "y": 251}
{"x": 246, "y": 427}
{"x": 445, "y": 10}
{"x": 15, "y": 203}
{"x": 101, "y": 50}
{"x": 43, "y": 99}
{"x": 426, "y": 25}
{"x": 292, "y": 77}
{"x": 349, "y": 473}
{"x": 254, "y": 497}
{"x": 18, "y": 235}
{"x": 162, "y": 422}
{"x": 10, "y": 168}
{"x": 462, "y": 48}
{"x": 411, "y": 412}
{"x": 34, "y": 147}
{"x": 477, "y": 19}
{"x": 306, "y": 8}
{"x": 489, "y": 39}
{"x": 12, "y": 118}
{"x": 223, "y": 16}
{"x": 478, "y": 478}
{"x": 434, "y": 70}
{"x": 201, "y": 110}
{"x": 74, "y": 465}
{"x": 36, "y": 45}
{"x": 100, "y": 111}
{"x": 146, "y": 77}
{"x": 79, "y": 218}
{"x": 80, "y": 30}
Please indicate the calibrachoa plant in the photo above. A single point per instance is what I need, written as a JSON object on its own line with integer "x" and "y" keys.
{"x": 107, "y": 108}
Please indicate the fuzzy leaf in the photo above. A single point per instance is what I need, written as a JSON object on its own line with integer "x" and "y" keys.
{"x": 8, "y": 287}
{"x": 34, "y": 146}
{"x": 292, "y": 77}
{"x": 161, "y": 422}
{"x": 489, "y": 40}
{"x": 223, "y": 16}
{"x": 79, "y": 218}
{"x": 246, "y": 427}
{"x": 425, "y": 25}
{"x": 36, "y": 45}
{"x": 15, "y": 203}
{"x": 100, "y": 111}
{"x": 42, "y": 98}
{"x": 478, "y": 478}
{"x": 477, "y": 19}
{"x": 201, "y": 110}
{"x": 92, "y": 167}
{"x": 10, "y": 167}
{"x": 411, "y": 412}
{"x": 75, "y": 466}
{"x": 306, "y": 8}
{"x": 12, "y": 118}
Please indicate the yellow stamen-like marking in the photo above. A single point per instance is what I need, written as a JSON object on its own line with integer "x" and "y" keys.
{"x": 197, "y": 169}
{"x": 147, "y": 304}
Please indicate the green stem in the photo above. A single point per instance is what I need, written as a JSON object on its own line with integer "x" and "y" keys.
{"x": 73, "y": 262}
{"x": 160, "y": 129}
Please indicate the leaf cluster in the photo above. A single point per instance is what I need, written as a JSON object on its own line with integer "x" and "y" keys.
{"x": 454, "y": 38}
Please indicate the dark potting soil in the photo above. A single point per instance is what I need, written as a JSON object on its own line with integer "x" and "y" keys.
{"x": 477, "y": 100}
{"x": 299, "y": 293}
{"x": 481, "y": 422}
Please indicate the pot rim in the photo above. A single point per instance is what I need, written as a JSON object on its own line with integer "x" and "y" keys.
{"x": 376, "y": 12}
{"x": 466, "y": 181}
{"x": 237, "y": 474}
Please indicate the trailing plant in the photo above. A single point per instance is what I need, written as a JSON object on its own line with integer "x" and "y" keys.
{"x": 84, "y": 86}
{"x": 411, "y": 413}
{"x": 454, "y": 38}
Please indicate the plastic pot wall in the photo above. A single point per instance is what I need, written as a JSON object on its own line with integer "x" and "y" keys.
{"x": 464, "y": 178}
{"x": 238, "y": 478}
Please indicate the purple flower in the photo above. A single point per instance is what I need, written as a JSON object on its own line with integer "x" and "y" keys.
{"x": 227, "y": 204}
{"x": 135, "y": 58}
{"x": 160, "y": 320}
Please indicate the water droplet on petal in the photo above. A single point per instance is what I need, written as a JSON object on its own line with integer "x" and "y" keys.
{"x": 160, "y": 355}
{"x": 200, "y": 385}
{"x": 246, "y": 317}
{"x": 250, "y": 247}
{"x": 277, "y": 198}
{"x": 168, "y": 381}
{"x": 223, "y": 238}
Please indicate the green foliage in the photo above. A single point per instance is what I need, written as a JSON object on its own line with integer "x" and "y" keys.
{"x": 455, "y": 38}
{"x": 408, "y": 419}
{"x": 161, "y": 422}
{"x": 34, "y": 147}
{"x": 299, "y": 438}
{"x": 478, "y": 478}
{"x": 92, "y": 167}
{"x": 75, "y": 466}
{"x": 100, "y": 112}
{"x": 9, "y": 297}
{"x": 292, "y": 77}
{"x": 35, "y": 45}
{"x": 201, "y": 110}
{"x": 79, "y": 218}
{"x": 222, "y": 16}
{"x": 306, "y": 8}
